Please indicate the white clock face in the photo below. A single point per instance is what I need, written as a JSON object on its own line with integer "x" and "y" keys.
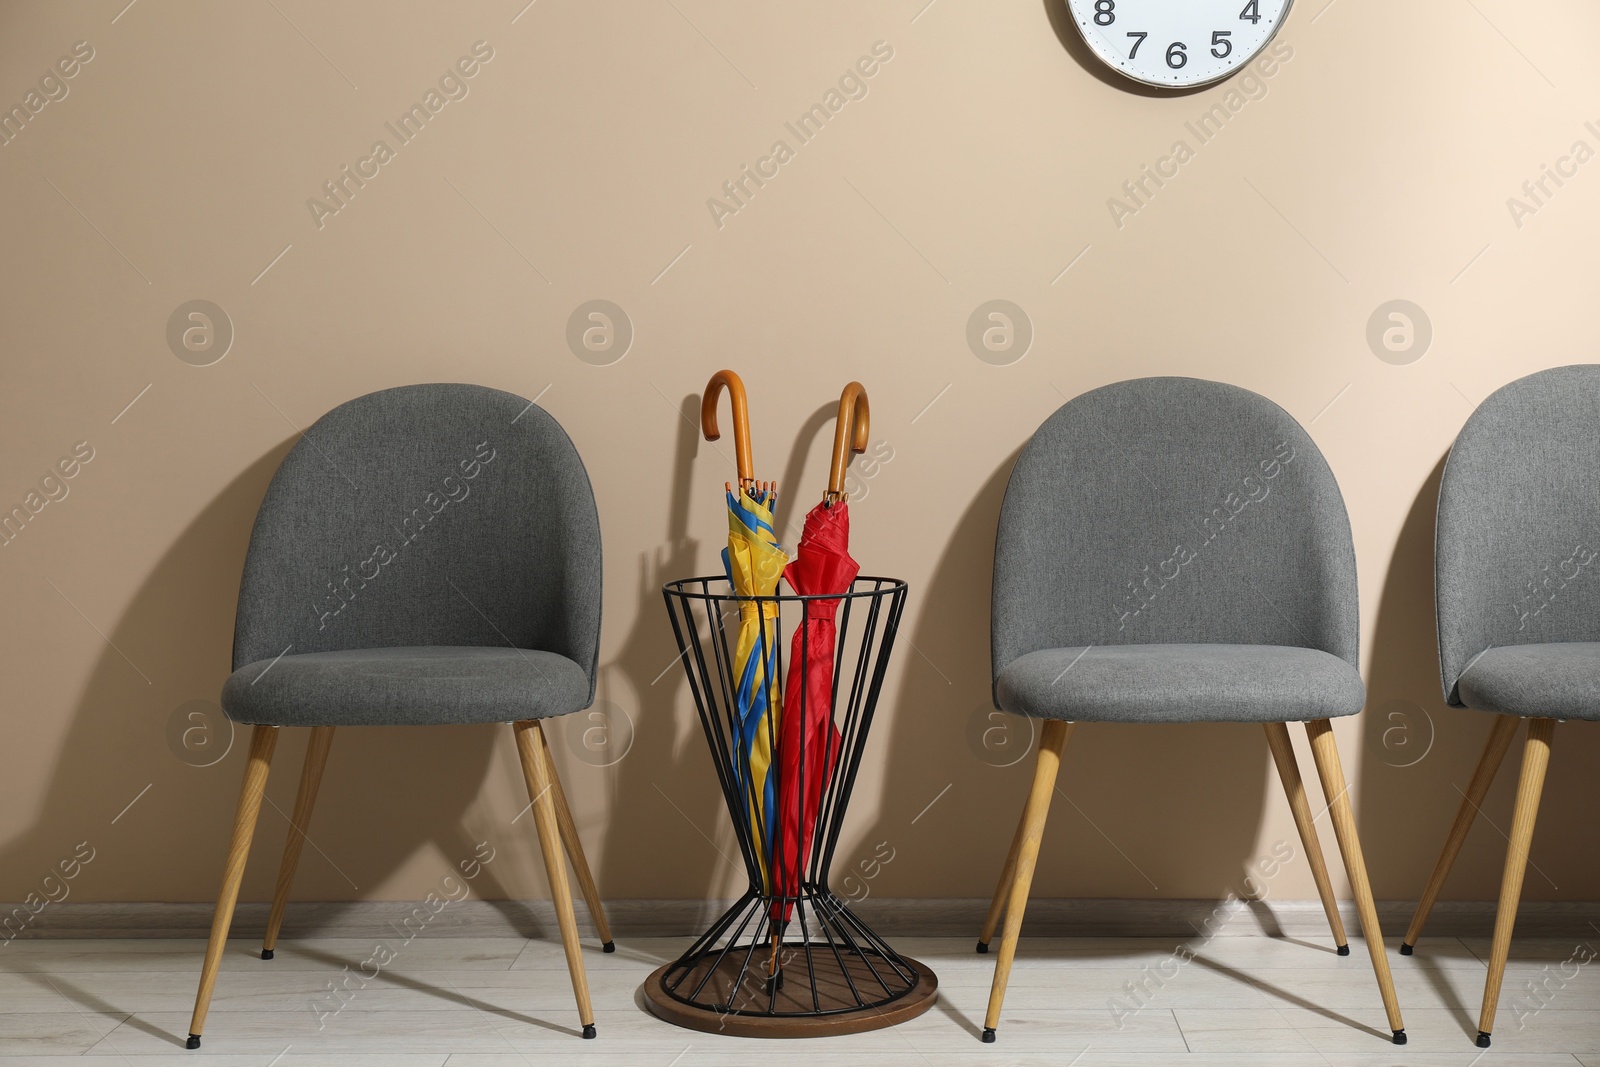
{"x": 1177, "y": 43}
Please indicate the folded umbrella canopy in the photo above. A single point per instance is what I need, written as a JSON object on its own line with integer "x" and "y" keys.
{"x": 754, "y": 562}
{"x": 809, "y": 742}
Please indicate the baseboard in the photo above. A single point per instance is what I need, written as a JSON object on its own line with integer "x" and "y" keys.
{"x": 891, "y": 917}
{"x": 1066, "y": 917}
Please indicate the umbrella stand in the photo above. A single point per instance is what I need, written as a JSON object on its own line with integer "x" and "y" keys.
{"x": 800, "y": 962}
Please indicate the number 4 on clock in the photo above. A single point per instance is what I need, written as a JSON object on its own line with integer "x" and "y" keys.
{"x": 1251, "y": 12}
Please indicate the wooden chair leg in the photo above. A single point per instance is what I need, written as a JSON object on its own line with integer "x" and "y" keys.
{"x": 1535, "y": 758}
{"x": 263, "y": 739}
{"x": 580, "y": 863}
{"x": 1289, "y": 772}
{"x": 1002, "y": 889}
{"x": 1331, "y": 772}
{"x": 531, "y": 747}
{"x": 1034, "y": 814}
{"x": 1505, "y": 728}
{"x": 299, "y": 822}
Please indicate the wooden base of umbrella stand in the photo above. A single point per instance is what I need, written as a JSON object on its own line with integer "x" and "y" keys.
{"x": 794, "y": 1014}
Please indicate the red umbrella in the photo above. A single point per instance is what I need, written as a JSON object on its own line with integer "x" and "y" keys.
{"x": 822, "y": 566}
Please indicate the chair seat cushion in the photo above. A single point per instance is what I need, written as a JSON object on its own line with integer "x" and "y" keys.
{"x": 1553, "y": 681}
{"x": 416, "y": 686}
{"x": 1180, "y": 683}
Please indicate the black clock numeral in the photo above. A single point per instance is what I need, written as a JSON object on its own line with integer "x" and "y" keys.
{"x": 1251, "y": 12}
{"x": 1176, "y": 56}
{"x": 1105, "y": 12}
{"x": 1220, "y": 45}
{"x": 1135, "y": 49}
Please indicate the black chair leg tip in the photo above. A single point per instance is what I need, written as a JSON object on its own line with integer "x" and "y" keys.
{"x": 1483, "y": 1039}
{"x": 1399, "y": 1037}
{"x": 983, "y": 946}
{"x": 609, "y": 946}
{"x": 266, "y": 953}
{"x": 193, "y": 1042}
{"x": 988, "y": 1035}
{"x": 1343, "y": 950}
{"x": 1406, "y": 950}
{"x": 589, "y": 1032}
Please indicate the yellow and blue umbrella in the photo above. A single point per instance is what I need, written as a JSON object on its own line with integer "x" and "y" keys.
{"x": 754, "y": 562}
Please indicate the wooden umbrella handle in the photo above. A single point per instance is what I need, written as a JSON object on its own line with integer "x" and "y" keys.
{"x": 849, "y": 435}
{"x": 741, "y": 419}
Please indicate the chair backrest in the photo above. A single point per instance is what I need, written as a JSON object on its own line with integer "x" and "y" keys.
{"x": 425, "y": 515}
{"x": 1172, "y": 510}
{"x": 1517, "y": 543}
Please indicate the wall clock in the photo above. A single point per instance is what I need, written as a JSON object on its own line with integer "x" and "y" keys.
{"x": 1177, "y": 43}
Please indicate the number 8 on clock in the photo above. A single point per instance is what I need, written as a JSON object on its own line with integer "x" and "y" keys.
{"x": 1177, "y": 43}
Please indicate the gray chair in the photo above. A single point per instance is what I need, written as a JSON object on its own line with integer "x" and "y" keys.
{"x": 424, "y": 555}
{"x": 1176, "y": 550}
{"x": 1517, "y": 592}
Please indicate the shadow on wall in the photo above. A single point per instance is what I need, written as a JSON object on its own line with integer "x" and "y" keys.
{"x": 387, "y": 792}
{"x": 666, "y": 811}
{"x": 1140, "y": 811}
{"x": 678, "y": 824}
{"x": 795, "y": 500}
{"x": 1419, "y": 754}
{"x": 674, "y": 836}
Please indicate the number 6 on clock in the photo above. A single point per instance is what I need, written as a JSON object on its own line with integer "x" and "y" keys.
{"x": 1195, "y": 42}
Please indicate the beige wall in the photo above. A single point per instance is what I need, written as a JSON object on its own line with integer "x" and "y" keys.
{"x": 1375, "y": 164}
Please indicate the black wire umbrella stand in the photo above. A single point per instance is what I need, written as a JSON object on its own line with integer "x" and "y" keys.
{"x": 789, "y": 958}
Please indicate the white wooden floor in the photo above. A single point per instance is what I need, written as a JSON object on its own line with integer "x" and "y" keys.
{"x": 507, "y": 1003}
